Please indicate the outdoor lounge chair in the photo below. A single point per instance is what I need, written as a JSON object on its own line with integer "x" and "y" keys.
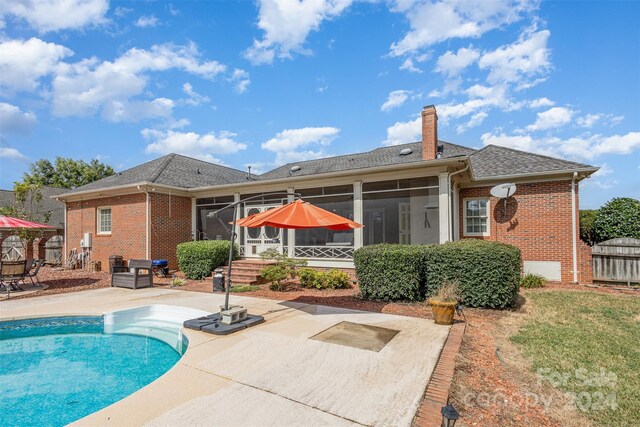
{"x": 134, "y": 279}
{"x": 31, "y": 274}
{"x": 11, "y": 273}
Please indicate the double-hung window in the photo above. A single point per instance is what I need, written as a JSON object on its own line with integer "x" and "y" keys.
{"x": 476, "y": 217}
{"x": 104, "y": 220}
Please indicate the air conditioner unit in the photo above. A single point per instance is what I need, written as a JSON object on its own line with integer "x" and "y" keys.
{"x": 86, "y": 241}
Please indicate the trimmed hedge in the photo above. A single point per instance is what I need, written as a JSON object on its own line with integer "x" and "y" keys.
{"x": 391, "y": 272}
{"x": 488, "y": 272}
{"x": 198, "y": 259}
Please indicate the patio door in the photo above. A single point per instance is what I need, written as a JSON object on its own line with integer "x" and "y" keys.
{"x": 404, "y": 214}
{"x": 258, "y": 240}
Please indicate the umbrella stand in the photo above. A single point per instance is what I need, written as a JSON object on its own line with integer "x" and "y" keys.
{"x": 239, "y": 319}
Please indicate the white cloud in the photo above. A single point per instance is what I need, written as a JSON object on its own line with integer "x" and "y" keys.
{"x": 192, "y": 144}
{"x": 481, "y": 98}
{"x": 11, "y": 154}
{"x": 291, "y": 139}
{"x": 584, "y": 147}
{"x": 552, "y": 118}
{"x": 55, "y": 15}
{"x": 89, "y": 86}
{"x": 14, "y": 120}
{"x": 24, "y": 62}
{"x": 408, "y": 65}
{"x": 527, "y": 57}
{"x": 476, "y": 120}
{"x": 395, "y": 99}
{"x": 451, "y": 64}
{"x": 286, "y": 25}
{"x": 134, "y": 111}
{"x": 404, "y": 132}
{"x": 617, "y": 144}
{"x": 241, "y": 79}
{"x": 603, "y": 171}
{"x": 195, "y": 99}
{"x": 432, "y": 22}
{"x": 589, "y": 120}
{"x": 121, "y": 11}
{"x": 147, "y": 21}
{"x": 541, "y": 103}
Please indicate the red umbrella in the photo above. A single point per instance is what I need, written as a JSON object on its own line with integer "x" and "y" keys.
{"x": 10, "y": 222}
{"x": 298, "y": 214}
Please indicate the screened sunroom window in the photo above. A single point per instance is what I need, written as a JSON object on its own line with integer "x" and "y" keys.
{"x": 476, "y": 217}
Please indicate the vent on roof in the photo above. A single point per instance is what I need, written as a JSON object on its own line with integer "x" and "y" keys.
{"x": 406, "y": 151}
{"x": 198, "y": 171}
{"x": 295, "y": 168}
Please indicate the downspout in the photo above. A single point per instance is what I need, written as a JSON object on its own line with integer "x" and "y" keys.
{"x": 64, "y": 243}
{"x": 574, "y": 227}
{"x": 449, "y": 189}
{"x": 146, "y": 192}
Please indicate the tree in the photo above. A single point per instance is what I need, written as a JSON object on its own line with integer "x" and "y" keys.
{"x": 620, "y": 217}
{"x": 28, "y": 197}
{"x": 587, "y": 234}
{"x": 66, "y": 172}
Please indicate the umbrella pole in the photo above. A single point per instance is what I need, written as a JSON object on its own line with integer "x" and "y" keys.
{"x": 233, "y": 237}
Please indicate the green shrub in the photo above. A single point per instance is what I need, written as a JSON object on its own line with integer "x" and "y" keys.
{"x": 244, "y": 288}
{"x": 620, "y": 217}
{"x": 587, "y": 233}
{"x": 332, "y": 279}
{"x": 276, "y": 274}
{"x": 177, "y": 282}
{"x": 391, "y": 272}
{"x": 488, "y": 273}
{"x": 198, "y": 259}
{"x": 531, "y": 281}
{"x": 282, "y": 260}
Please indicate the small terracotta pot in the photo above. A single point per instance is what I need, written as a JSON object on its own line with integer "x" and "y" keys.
{"x": 443, "y": 311}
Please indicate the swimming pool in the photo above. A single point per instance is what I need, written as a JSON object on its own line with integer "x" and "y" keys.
{"x": 54, "y": 371}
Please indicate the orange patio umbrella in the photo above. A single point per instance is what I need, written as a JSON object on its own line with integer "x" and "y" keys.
{"x": 298, "y": 214}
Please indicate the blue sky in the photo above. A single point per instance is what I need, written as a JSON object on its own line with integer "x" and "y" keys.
{"x": 274, "y": 81}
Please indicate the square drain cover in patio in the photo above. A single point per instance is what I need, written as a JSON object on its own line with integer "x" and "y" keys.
{"x": 357, "y": 335}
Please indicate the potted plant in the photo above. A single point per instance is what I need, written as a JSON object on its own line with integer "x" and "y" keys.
{"x": 443, "y": 303}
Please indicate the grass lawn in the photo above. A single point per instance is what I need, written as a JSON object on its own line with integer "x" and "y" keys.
{"x": 587, "y": 344}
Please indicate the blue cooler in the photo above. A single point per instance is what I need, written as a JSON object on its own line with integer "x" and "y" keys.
{"x": 160, "y": 265}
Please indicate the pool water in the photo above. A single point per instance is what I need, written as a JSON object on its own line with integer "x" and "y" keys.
{"x": 57, "y": 370}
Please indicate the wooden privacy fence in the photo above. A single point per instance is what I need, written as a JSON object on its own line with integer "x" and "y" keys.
{"x": 617, "y": 260}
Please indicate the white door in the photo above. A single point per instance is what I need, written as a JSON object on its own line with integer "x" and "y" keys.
{"x": 404, "y": 223}
{"x": 258, "y": 240}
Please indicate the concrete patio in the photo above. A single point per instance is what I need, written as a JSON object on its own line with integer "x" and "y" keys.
{"x": 271, "y": 374}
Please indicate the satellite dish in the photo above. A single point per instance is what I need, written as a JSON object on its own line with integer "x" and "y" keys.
{"x": 503, "y": 191}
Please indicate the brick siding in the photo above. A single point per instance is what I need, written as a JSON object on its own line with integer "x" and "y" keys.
{"x": 170, "y": 225}
{"x": 538, "y": 221}
{"x": 128, "y": 228}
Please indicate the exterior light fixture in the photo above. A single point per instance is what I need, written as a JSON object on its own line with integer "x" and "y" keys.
{"x": 449, "y": 416}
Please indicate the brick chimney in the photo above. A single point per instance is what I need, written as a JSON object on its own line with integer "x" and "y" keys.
{"x": 429, "y": 132}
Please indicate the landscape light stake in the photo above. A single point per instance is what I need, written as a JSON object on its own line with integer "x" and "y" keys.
{"x": 449, "y": 416}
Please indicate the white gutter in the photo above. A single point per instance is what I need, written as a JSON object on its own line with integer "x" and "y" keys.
{"x": 119, "y": 187}
{"x": 146, "y": 222}
{"x": 449, "y": 190}
{"x": 574, "y": 227}
{"x": 588, "y": 171}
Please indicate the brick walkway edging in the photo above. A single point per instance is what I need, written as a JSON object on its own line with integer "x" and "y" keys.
{"x": 436, "y": 394}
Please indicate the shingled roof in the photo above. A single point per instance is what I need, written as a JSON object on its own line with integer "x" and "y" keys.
{"x": 379, "y": 157}
{"x": 496, "y": 161}
{"x": 179, "y": 171}
{"x": 173, "y": 170}
{"x": 47, "y": 204}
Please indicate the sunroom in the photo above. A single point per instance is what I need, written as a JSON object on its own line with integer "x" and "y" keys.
{"x": 410, "y": 209}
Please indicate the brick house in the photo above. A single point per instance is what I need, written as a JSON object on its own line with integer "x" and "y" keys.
{"x": 429, "y": 191}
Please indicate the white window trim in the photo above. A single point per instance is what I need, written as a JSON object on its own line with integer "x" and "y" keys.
{"x": 464, "y": 216}
{"x": 98, "y": 211}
